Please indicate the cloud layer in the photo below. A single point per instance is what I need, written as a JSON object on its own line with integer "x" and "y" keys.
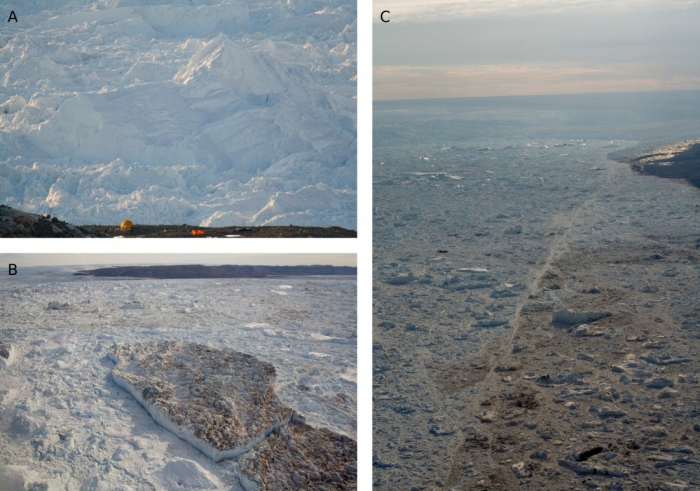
{"x": 536, "y": 47}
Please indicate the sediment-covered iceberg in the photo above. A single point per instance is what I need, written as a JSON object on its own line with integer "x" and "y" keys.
{"x": 220, "y": 401}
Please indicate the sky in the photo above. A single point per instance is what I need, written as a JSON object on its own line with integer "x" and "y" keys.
{"x": 33, "y": 260}
{"x": 480, "y": 48}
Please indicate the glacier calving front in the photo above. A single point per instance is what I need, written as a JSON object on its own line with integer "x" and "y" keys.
{"x": 209, "y": 113}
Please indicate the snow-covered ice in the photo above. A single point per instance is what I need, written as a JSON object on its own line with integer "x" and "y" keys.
{"x": 208, "y": 113}
{"x": 65, "y": 423}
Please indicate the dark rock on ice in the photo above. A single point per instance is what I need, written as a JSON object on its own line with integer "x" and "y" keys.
{"x": 586, "y": 454}
{"x": 585, "y": 468}
{"x": 58, "y": 306}
{"x": 554, "y": 380}
{"x": 7, "y": 354}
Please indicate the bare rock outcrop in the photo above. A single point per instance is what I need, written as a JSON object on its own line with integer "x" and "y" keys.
{"x": 17, "y": 223}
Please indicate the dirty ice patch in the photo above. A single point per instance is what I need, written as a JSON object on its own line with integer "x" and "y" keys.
{"x": 253, "y": 326}
{"x": 222, "y": 402}
{"x": 316, "y": 354}
{"x": 317, "y": 336}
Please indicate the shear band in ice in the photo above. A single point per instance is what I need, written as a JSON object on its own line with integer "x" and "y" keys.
{"x": 220, "y": 401}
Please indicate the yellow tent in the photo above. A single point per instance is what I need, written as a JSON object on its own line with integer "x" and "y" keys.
{"x": 126, "y": 226}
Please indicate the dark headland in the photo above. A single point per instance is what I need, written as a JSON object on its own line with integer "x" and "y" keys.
{"x": 679, "y": 160}
{"x": 226, "y": 271}
{"x": 17, "y": 223}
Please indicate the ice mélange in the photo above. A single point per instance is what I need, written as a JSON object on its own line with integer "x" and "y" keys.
{"x": 208, "y": 113}
{"x": 177, "y": 383}
{"x": 535, "y": 314}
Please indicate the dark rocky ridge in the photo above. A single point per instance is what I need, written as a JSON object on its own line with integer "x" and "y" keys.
{"x": 180, "y": 231}
{"x": 226, "y": 271}
{"x": 17, "y": 223}
{"x": 679, "y": 160}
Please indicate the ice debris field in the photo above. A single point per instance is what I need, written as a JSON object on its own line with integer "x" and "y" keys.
{"x": 76, "y": 351}
{"x": 534, "y": 299}
{"x": 208, "y": 113}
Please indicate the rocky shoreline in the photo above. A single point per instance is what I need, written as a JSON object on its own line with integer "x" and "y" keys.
{"x": 17, "y": 223}
{"x": 680, "y": 160}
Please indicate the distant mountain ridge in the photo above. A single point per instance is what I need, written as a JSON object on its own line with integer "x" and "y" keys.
{"x": 226, "y": 271}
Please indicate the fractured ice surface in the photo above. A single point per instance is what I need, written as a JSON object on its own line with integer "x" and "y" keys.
{"x": 188, "y": 474}
{"x": 212, "y": 113}
{"x": 221, "y": 401}
{"x": 321, "y": 459}
{"x": 20, "y": 478}
{"x": 63, "y": 415}
{"x": 595, "y": 238}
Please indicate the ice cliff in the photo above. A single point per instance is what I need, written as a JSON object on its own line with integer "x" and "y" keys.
{"x": 211, "y": 113}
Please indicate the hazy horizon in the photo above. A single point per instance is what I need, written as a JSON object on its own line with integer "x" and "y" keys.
{"x": 473, "y": 48}
{"x": 630, "y": 93}
{"x": 84, "y": 260}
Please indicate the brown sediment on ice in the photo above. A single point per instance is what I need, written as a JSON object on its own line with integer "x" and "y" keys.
{"x": 224, "y": 404}
{"x": 320, "y": 459}
{"x": 679, "y": 160}
{"x": 599, "y": 401}
{"x": 221, "y": 401}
